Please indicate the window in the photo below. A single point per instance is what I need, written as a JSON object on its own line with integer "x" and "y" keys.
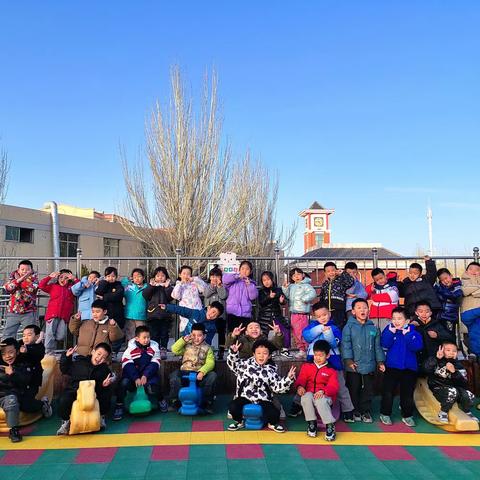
{"x": 68, "y": 244}
{"x": 319, "y": 239}
{"x": 111, "y": 247}
{"x": 17, "y": 234}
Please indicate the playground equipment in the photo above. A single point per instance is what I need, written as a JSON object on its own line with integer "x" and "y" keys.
{"x": 85, "y": 415}
{"x": 190, "y": 396}
{"x": 253, "y": 415}
{"x": 140, "y": 405}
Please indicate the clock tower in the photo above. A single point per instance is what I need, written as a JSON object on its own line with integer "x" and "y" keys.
{"x": 317, "y": 230}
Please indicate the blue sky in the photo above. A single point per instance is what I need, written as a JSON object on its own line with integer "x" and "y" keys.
{"x": 371, "y": 108}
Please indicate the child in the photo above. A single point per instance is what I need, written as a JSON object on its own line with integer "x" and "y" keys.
{"x": 383, "y": 293}
{"x": 432, "y": 331}
{"x": 299, "y": 294}
{"x": 419, "y": 288}
{"x": 32, "y": 352}
{"x": 357, "y": 290}
{"x": 361, "y": 354}
{"x": 333, "y": 292}
{"x": 15, "y": 377}
{"x": 322, "y": 328}
{"x": 447, "y": 380}
{"x": 253, "y": 332}
{"x": 99, "y": 329}
{"x": 216, "y": 292}
{"x": 401, "y": 342}
{"x": 91, "y": 367}
{"x": 257, "y": 379}
{"x": 85, "y": 291}
{"x": 135, "y": 304}
{"x": 187, "y": 291}
{"x": 242, "y": 291}
{"x": 22, "y": 286}
{"x": 270, "y": 300}
{"x": 159, "y": 292}
{"x": 471, "y": 305}
{"x": 60, "y": 306}
{"x": 317, "y": 385}
{"x": 449, "y": 292}
{"x": 197, "y": 357}
{"x": 111, "y": 291}
{"x": 140, "y": 366}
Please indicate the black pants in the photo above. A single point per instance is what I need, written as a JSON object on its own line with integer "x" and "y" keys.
{"x": 160, "y": 330}
{"x": 270, "y": 413}
{"x": 29, "y": 404}
{"x": 233, "y": 321}
{"x": 338, "y": 318}
{"x": 406, "y": 379}
{"x": 207, "y": 384}
{"x": 127, "y": 385}
{"x": 447, "y": 396}
{"x": 221, "y": 325}
{"x": 69, "y": 395}
{"x": 361, "y": 390}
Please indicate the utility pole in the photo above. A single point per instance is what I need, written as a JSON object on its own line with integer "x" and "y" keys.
{"x": 430, "y": 231}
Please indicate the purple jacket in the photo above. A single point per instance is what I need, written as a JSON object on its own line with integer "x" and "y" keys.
{"x": 240, "y": 295}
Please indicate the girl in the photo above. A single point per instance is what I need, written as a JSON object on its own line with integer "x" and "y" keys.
{"x": 85, "y": 291}
{"x": 135, "y": 304}
{"x": 159, "y": 292}
{"x": 187, "y": 291}
{"x": 299, "y": 294}
{"x": 242, "y": 290}
{"x": 270, "y": 299}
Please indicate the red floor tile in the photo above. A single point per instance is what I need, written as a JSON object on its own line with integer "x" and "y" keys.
{"x": 342, "y": 427}
{"x": 318, "y": 452}
{"x": 96, "y": 455}
{"x": 170, "y": 452}
{"x": 391, "y": 452}
{"x": 244, "y": 451}
{"x": 144, "y": 427}
{"x": 461, "y": 453}
{"x": 398, "y": 427}
{"x": 20, "y": 457}
{"x": 207, "y": 426}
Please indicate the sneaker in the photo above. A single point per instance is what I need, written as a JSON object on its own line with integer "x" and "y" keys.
{"x": 233, "y": 427}
{"x": 348, "y": 417}
{"x": 229, "y": 415}
{"x": 285, "y": 353}
{"x": 118, "y": 413}
{"x": 366, "y": 417}
{"x": 103, "y": 423}
{"x": 163, "y": 353}
{"x": 14, "y": 435}
{"x": 386, "y": 420}
{"x": 409, "y": 421}
{"x": 312, "y": 429}
{"x": 295, "y": 410}
{"x": 472, "y": 416}
{"x": 442, "y": 416}
{"x": 46, "y": 408}
{"x": 163, "y": 406}
{"x": 330, "y": 434}
{"x": 276, "y": 428}
{"x": 357, "y": 417}
{"x": 64, "y": 428}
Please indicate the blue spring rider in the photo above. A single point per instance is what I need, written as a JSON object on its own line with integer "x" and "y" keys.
{"x": 191, "y": 396}
{"x": 253, "y": 415}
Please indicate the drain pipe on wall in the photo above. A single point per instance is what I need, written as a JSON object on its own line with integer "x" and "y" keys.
{"x": 55, "y": 234}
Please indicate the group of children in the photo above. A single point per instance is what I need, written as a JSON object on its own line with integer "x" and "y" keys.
{"x": 343, "y": 338}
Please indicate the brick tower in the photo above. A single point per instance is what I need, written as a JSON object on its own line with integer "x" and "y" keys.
{"x": 317, "y": 230}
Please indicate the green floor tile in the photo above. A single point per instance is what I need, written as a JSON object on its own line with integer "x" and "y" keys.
{"x": 167, "y": 469}
{"x": 86, "y": 471}
{"x": 12, "y": 472}
{"x": 283, "y": 451}
{"x": 57, "y": 456}
{"x": 207, "y": 468}
{"x": 45, "y": 471}
{"x": 207, "y": 452}
{"x": 334, "y": 469}
{"x": 243, "y": 469}
{"x": 133, "y": 453}
{"x": 126, "y": 469}
{"x": 409, "y": 470}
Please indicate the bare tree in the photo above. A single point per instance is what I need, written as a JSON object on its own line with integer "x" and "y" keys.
{"x": 4, "y": 169}
{"x": 195, "y": 196}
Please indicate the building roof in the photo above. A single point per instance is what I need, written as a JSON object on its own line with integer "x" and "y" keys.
{"x": 351, "y": 253}
{"x": 316, "y": 206}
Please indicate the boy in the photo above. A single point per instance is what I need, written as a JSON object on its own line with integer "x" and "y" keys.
{"x": 419, "y": 288}
{"x": 357, "y": 290}
{"x": 333, "y": 292}
{"x": 361, "y": 354}
{"x": 447, "y": 380}
{"x": 216, "y": 292}
{"x": 471, "y": 305}
{"x": 91, "y": 367}
{"x": 322, "y": 328}
{"x": 401, "y": 342}
{"x": 432, "y": 331}
{"x": 383, "y": 293}
{"x": 140, "y": 366}
{"x": 317, "y": 385}
{"x": 15, "y": 377}
{"x": 85, "y": 291}
{"x": 60, "y": 306}
{"x": 32, "y": 352}
{"x": 22, "y": 286}
{"x": 257, "y": 379}
{"x": 99, "y": 329}
{"x": 197, "y": 356}
{"x": 449, "y": 292}
{"x": 111, "y": 291}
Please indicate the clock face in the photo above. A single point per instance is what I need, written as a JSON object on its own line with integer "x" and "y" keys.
{"x": 318, "y": 222}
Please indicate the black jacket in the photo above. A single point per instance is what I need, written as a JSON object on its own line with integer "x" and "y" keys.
{"x": 156, "y": 296}
{"x": 82, "y": 369}
{"x": 112, "y": 294}
{"x": 33, "y": 358}
{"x": 269, "y": 308}
{"x": 16, "y": 383}
{"x": 439, "y": 376}
{"x": 430, "y": 345}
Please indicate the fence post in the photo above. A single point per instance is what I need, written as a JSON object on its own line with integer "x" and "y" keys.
{"x": 178, "y": 253}
{"x": 475, "y": 254}
{"x": 277, "y": 265}
{"x": 79, "y": 263}
{"x": 375, "y": 257}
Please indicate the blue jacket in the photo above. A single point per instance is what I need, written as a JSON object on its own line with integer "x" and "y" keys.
{"x": 361, "y": 343}
{"x": 86, "y": 296}
{"x": 450, "y": 298}
{"x": 401, "y": 349}
{"x": 138, "y": 360}
{"x": 135, "y": 303}
{"x": 471, "y": 319}
{"x": 357, "y": 289}
{"x": 316, "y": 331}
{"x": 194, "y": 316}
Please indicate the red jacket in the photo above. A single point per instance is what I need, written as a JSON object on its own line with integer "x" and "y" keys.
{"x": 383, "y": 301}
{"x": 62, "y": 300}
{"x": 313, "y": 378}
